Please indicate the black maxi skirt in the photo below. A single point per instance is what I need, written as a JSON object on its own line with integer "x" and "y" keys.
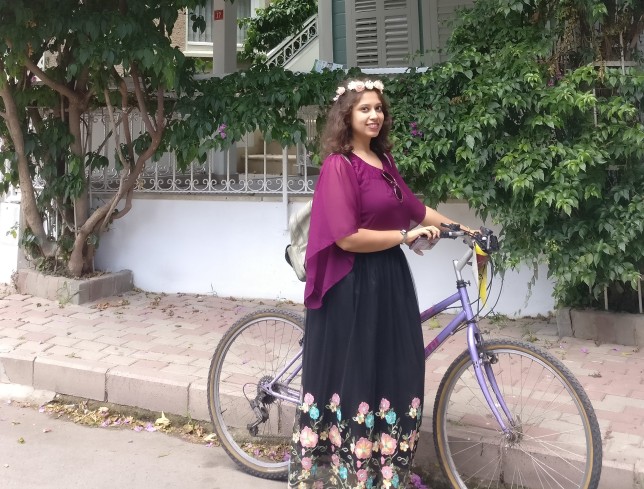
{"x": 362, "y": 380}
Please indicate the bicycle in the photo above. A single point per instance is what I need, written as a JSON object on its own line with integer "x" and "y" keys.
{"x": 506, "y": 413}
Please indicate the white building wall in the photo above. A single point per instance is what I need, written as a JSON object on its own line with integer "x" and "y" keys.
{"x": 9, "y": 217}
{"x": 305, "y": 60}
{"x": 232, "y": 247}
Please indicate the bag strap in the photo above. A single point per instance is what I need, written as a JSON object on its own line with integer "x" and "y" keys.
{"x": 388, "y": 160}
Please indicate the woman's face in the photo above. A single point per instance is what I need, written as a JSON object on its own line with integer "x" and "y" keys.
{"x": 367, "y": 116}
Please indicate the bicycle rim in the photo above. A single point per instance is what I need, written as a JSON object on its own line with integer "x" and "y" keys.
{"x": 555, "y": 442}
{"x": 255, "y": 348}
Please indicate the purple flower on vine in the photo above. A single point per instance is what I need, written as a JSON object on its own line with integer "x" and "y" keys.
{"x": 414, "y": 130}
{"x": 221, "y": 131}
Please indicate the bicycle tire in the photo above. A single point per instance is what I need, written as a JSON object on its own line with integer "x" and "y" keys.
{"x": 254, "y": 348}
{"x": 557, "y": 439}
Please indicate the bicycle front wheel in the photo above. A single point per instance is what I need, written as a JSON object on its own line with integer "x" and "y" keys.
{"x": 554, "y": 438}
{"x": 255, "y": 426}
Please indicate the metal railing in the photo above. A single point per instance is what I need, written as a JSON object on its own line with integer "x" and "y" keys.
{"x": 290, "y": 47}
{"x": 250, "y": 167}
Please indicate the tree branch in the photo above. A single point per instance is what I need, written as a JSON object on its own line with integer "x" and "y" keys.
{"x": 59, "y": 87}
{"x": 124, "y": 163}
{"x": 143, "y": 108}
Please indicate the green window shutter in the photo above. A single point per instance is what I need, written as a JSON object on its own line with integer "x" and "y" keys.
{"x": 442, "y": 14}
{"x": 365, "y": 30}
{"x": 379, "y": 32}
{"x": 398, "y": 41}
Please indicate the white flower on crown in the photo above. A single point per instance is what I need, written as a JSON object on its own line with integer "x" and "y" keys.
{"x": 339, "y": 92}
{"x": 359, "y": 86}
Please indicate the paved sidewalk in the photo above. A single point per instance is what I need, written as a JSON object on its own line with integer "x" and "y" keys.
{"x": 153, "y": 351}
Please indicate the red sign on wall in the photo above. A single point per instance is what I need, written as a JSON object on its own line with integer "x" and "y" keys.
{"x": 218, "y": 15}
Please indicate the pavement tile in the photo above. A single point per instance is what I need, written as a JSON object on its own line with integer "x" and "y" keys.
{"x": 15, "y": 333}
{"x": 110, "y": 340}
{"x": 119, "y": 351}
{"x": 118, "y": 360}
{"x": 32, "y": 347}
{"x": 9, "y": 323}
{"x": 63, "y": 351}
{"x": 150, "y": 364}
{"x": 188, "y": 370}
{"x": 42, "y": 337}
{"x": 34, "y": 327}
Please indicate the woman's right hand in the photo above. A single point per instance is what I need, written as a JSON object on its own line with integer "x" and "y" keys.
{"x": 430, "y": 232}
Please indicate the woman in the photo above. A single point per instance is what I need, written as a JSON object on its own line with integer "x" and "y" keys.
{"x": 363, "y": 363}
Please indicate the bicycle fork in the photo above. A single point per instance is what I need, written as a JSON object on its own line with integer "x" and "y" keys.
{"x": 482, "y": 362}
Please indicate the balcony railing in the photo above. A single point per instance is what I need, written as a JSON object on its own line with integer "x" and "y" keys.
{"x": 250, "y": 167}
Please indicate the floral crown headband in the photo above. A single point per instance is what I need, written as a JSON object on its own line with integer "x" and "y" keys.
{"x": 359, "y": 86}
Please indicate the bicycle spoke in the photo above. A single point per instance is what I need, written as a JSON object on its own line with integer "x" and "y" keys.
{"x": 254, "y": 425}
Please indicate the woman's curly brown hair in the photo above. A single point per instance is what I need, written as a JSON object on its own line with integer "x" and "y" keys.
{"x": 337, "y": 134}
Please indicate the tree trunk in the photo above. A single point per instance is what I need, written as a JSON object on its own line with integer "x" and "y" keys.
{"x": 28, "y": 205}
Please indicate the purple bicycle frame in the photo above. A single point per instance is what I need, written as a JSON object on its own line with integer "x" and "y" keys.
{"x": 482, "y": 369}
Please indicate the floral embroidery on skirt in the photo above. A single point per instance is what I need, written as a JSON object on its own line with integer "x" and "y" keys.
{"x": 373, "y": 448}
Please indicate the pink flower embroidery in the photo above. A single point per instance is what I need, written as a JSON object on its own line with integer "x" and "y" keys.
{"x": 384, "y": 404}
{"x": 335, "y": 460}
{"x": 363, "y": 408}
{"x": 415, "y": 403}
{"x": 362, "y": 475}
{"x": 309, "y": 399}
{"x": 387, "y": 444}
{"x": 412, "y": 439}
{"x": 308, "y": 438}
{"x": 363, "y": 448}
{"x": 335, "y": 399}
{"x": 307, "y": 463}
{"x": 318, "y": 485}
{"x": 334, "y": 436}
{"x": 387, "y": 473}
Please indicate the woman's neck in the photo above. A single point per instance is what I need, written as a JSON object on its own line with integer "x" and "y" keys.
{"x": 361, "y": 146}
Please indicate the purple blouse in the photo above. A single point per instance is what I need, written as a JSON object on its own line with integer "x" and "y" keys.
{"x": 346, "y": 198}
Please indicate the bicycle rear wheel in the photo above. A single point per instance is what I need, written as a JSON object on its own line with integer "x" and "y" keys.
{"x": 255, "y": 428}
{"x": 555, "y": 440}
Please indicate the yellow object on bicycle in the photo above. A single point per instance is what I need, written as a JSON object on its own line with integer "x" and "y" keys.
{"x": 481, "y": 263}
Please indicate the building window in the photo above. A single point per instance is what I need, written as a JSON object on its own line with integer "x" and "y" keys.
{"x": 201, "y": 42}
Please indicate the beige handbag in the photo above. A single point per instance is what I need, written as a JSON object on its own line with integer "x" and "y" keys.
{"x": 298, "y": 226}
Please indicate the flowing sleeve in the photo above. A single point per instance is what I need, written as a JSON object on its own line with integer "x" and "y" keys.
{"x": 335, "y": 214}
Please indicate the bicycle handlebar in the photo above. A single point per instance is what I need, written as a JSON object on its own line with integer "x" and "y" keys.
{"x": 484, "y": 237}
